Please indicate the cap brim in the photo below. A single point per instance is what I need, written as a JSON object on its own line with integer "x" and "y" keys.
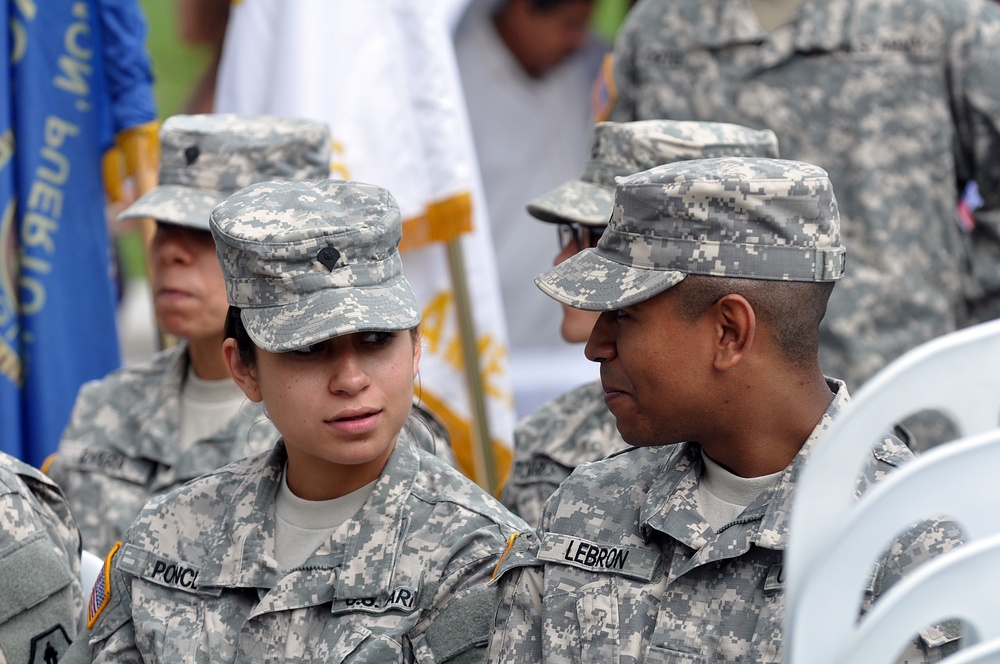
{"x": 332, "y": 312}
{"x": 175, "y": 204}
{"x": 576, "y": 201}
{"x": 589, "y": 280}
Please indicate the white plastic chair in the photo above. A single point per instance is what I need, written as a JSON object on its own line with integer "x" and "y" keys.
{"x": 927, "y": 595}
{"x": 987, "y": 652}
{"x": 958, "y": 374}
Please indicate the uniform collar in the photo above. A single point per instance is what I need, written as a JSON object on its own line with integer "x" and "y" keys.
{"x": 242, "y": 554}
{"x": 670, "y": 505}
{"x": 157, "y": 411}
{"x": 157, "y": 414}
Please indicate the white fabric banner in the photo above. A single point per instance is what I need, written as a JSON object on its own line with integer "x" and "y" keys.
{"x": 382, "y": 75}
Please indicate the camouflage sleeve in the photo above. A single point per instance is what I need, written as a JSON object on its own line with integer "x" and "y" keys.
{"x": 40, "y": 611}
{"x": 457, "y": 627}
{"x": 623, "y": 84}
{"x": 109, "y": 617}
{"x": 517, "y": 616}
{"x": 517, "y": 626}
{"x": 923, "y": 542}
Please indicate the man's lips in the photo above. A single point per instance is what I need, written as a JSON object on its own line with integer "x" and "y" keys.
{"x": 611, "y": 391}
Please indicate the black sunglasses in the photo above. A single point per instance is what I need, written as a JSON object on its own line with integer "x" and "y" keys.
{"x": 581, "y": 236}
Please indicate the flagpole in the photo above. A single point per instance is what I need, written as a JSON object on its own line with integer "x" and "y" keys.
{"x": 484, "y": 465}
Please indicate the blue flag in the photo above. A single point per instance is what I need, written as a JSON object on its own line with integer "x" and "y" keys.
{"x": 57, "y": 294}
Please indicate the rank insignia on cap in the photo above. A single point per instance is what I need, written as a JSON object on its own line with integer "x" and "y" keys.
{"x": 101, "y": 593}
{"x": 328, "y": 256}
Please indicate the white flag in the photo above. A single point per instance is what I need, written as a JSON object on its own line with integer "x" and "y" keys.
{"x": 382, "y": 75}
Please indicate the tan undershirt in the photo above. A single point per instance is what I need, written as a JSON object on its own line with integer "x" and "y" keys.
{"x": 722, "y": 495}
{"x": 773, "y": 14}
{"x": 206, "y": 407}
{"x": 303, "y": 525}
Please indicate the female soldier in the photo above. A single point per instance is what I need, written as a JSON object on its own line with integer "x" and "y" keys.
{"x": 342, "y": 543}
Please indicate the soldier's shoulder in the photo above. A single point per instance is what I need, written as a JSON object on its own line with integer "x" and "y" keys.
{"x": 622, "y": 476}
{"x": 215, "y": 489}
{"x": 13, "y": 469}
{"x": 560, "y": 418}
{"x": 195, "y": 519}
{"x": 125, "y": 382}
{"x": 630, "y": 464}
{"x": 23, "y": 491}
{"x": 436, "y": 483}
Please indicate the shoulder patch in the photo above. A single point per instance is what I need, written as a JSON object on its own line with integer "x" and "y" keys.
{"x": 47, "y": 463}
{"x": 101, "y": 593}
{"x": 49, "y": 646}
{"x": 604, "y": 94}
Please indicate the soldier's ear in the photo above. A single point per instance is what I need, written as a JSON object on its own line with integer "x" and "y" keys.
{"x": 737, "y": 328}
{"x": 244, "y": 375}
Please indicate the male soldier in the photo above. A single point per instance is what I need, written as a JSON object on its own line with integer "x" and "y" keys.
{"x": 42, "y": 604}
{"x": 146, "y": 429}
{"x": 577, "y": 427}
{"x": 712, "y": 279}
{"x": 898, "y": 100}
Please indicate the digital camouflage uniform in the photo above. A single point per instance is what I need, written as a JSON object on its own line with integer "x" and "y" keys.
{"x": 898, "y": 100}
{"x": 572, "y": 429}
{"x": 120, "y": 448}
{"x": 41, "y": 603}
{"x": 403, "y": 581}
{"x": 577, "y": 427}
{"x": 628, "y": 570}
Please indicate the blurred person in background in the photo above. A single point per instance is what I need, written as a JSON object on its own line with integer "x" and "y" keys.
{"x": 527, "y": 67}
{"x": 154, "y": 425}
{"x": 899, "y": 100}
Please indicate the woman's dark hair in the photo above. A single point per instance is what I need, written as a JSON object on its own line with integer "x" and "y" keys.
{"x": 246, "y": 349}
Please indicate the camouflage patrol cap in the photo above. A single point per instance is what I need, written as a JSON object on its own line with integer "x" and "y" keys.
{"x": 204, "y": 158}
{"x": 623, "y": 148}
{"x": 307, "y": 262}
{"x": 744, "y": 217}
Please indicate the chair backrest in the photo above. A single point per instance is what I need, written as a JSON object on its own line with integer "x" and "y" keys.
{"x": 958, "y": 374}
{"x": 962, "y": 583}
{"x": 987, "y": 652}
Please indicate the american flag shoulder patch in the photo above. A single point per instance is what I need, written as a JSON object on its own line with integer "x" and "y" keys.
{"x": 101, "y": 593}
{"x": 603, "y": 93}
